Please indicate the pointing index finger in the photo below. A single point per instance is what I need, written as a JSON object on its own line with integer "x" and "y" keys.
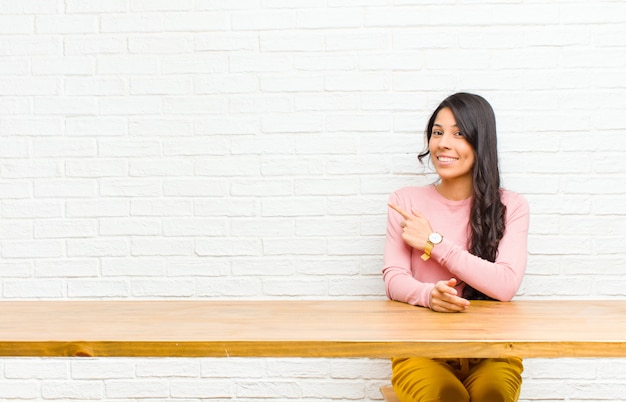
{"x": 399, "y": 210}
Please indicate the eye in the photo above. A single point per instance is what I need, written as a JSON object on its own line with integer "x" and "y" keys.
{"x": 458, "y": 134}
{"x": 437, "y": 133}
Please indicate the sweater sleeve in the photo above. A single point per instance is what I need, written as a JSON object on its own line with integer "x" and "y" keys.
{"x": 400, "y": 284}
{"x": 500, "y": 279}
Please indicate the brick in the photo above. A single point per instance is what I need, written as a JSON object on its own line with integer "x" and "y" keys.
{"x": 20, "y": 389}
{"x": 292, "y": 42}
{"x": 136, "y": 389}
{"x": 66, "y": 24}
{"x": 259, "y": 104}
{"x": 131, "y": 23}
{"x": 160, "y": 5}
{"x": 158, "y": 86}
{"x": 196, "y": 146}
{"x": 263, "y": 20}
{"x": 228, "y": 287}
{"x": 24, "y": 45}
{"x": 65, "y": 105}
{"x": 97, "y": 288}
{"x": 129, "y": 227}
{"x": 161, "y": 167}
{"x": 298, "y": 123}
{"x": 97, "y": 208}
{"x": 261, "y": 227}
{"x": 296, "y": 207}
{"x": 95, "y": 6}
{"x": 267, "y": 266}
{"x": 168, "y": 368}
{"x": 67, "y": 268}
{"x": 97, "y": 247}
{"x": 292, "y": 287}
{"x": 14, "y": 148}
{"x": 286, "y": 83}
{"x": 137, "y": 266}
{"x": 200, "y": 105}
{"x": 69, "y": 188}
{"x": 32, "y": 126}
{"x": 16, "y": 229}
{"x": 308, "y": 246}
{"x": 32, "y": 208}
{"x": 29, "y": 289}
{"x": 30, "y": 86}
{"x": 64, "y": 148}
{"x": 304, "y": 165}
{"x": 261, "y": 63}
{"x": 157, "y": 288}
{"x": 228, "y": 247}
{"x": 130, "y": 187}
{"x": 102, "y": 369}
{"x": 197, "y": 267}
{"x": 195, "y": 187}
{"x": 142, "y": 127}
{"x": 127, "y": 64}
{"x": 96, "y": 168}
{"x": 200, "y": 389}
{"x": 198, "y": 64}
{"x": 33, "y": 249}
{"x": 160, "y": 44}
{"x": 32, "y": 369}
{"x": 51, "y": 229}
{"x": 196, "y": 227}
{"x": 161, "y": 207}
{"x": 197, "y": 21}
{"x": 226, "y": 41}
{"x": 95, "y": 86}
{"x": 94, "y": 44}
{"x": 226, "y": 84}
{"x": 161, "y": 247}
{"x": 329, "y": 18}
{"x": 365, "y": 81}
{"x": 226, "y": 207}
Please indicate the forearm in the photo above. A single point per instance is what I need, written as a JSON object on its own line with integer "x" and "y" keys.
{"x": 401, "y": 286}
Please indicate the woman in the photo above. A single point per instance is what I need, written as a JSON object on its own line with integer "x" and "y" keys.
{"x": 460, "y": 239}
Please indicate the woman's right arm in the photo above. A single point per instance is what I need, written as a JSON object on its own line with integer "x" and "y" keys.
{"x": 399, "y": 282}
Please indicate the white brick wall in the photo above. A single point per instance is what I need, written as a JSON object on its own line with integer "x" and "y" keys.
{"x": 245, "y": 149}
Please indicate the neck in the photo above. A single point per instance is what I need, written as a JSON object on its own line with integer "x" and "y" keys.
{"x": 456, "y": 190}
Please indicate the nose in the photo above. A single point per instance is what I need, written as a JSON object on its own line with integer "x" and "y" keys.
{"x": 444, "y": 141}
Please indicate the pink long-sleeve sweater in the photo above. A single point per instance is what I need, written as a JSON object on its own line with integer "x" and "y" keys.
{"x": 410, "y": 279}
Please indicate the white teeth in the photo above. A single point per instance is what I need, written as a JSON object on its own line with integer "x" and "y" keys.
{"x": 446, "y": 159}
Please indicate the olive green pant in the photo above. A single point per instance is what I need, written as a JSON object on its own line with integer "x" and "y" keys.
{"x": 420, "y": 379}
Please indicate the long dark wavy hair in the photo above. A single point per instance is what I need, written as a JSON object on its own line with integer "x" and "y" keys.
{"x": 477, "y": 122}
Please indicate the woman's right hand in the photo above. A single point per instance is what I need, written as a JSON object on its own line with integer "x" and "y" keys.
{"x": 444, "y": 299}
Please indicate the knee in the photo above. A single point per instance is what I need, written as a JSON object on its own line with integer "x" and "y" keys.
{"x": 451, "y": 392}
{"x": 436, "y": 391}
{"x": 495, "y": 391}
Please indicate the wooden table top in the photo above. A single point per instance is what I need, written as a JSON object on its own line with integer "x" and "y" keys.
{"x": 286, "y": 328}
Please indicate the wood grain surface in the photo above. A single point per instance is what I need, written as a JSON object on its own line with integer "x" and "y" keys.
{"x": 285, "y": 328}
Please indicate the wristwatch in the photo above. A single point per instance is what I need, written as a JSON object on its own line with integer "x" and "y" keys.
{"x": 433, "y": 239}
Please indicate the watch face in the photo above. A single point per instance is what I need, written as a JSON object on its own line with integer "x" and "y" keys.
{"x": 435, "y": 238}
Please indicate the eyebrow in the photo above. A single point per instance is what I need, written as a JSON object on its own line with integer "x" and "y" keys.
{"x": 439, "y": 125}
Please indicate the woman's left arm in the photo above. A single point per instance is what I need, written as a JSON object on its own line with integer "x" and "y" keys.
{"x": 500, "y": 279}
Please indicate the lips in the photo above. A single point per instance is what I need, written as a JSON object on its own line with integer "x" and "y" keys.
{"x": 446, "y": 159}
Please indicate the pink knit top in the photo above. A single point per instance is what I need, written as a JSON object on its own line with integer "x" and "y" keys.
{"x": 409, "y": 279}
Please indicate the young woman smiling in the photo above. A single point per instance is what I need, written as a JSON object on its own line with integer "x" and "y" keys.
{"x": 462, "y": 238}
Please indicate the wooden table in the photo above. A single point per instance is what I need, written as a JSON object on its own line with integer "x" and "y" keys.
{"x": 286, "y": 328}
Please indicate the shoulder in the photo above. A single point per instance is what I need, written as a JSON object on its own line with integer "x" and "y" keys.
{"x": 515, "y": 202}
{"x": 511, "y": 197}
{"x": 405, "y": 194}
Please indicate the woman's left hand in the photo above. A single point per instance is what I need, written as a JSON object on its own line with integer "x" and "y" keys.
{"x": 415, "y": 227}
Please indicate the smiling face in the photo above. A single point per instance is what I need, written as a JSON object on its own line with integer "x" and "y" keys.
{"x": 452, "y": 156}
